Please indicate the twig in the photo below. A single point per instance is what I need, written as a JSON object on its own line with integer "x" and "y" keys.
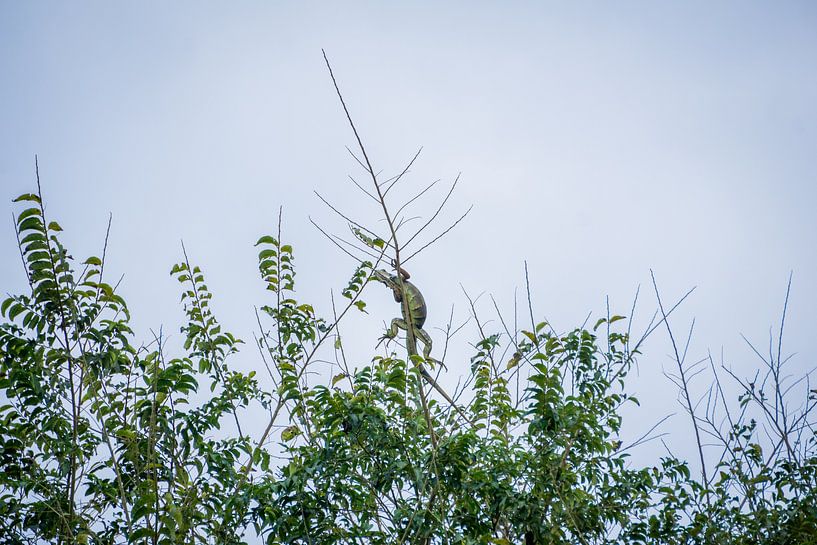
{"x": 438, "y": 237}
{"x": 437, "y": 212}
{"x": 684, "y": 383}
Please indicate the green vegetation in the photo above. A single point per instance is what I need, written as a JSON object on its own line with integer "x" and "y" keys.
{"x": 106, "y": 440}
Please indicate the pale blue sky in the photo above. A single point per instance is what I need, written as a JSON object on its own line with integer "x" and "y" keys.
{"x": 595, "y": 140}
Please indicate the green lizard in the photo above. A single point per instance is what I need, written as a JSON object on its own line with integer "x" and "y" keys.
{"x": 413, "y": 310}
{"x": 413, "y": 307}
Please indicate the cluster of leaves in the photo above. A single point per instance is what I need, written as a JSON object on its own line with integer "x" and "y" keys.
{"x": 105, "y": 441}
{"x": 101, "y": 441}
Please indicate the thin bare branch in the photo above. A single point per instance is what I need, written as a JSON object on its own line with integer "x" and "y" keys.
{"x": 344, "y": 216}
{"x": 355, "y": 157}
{"x": 417, "y": 196}
{"x": 684, "y": 382}
{"x": 403, "y": 173}
{"x": 642, "y": 439}
{"x": 437, "y": 212}
{"x": 335, "y": 242}
{"x": 363, "y": 189}
{"x": 438, "y": 237}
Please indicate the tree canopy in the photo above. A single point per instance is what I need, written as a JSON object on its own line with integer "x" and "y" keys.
{"x": 106, "y": 439}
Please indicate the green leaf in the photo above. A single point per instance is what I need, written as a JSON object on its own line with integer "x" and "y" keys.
{"x": 15, "y": 311}
{"x": 93, "y": 261}
{"x": 514, "y": 361}
{"x": 32, "y": 223}
{"x": 6, "y": 304}
{"x": 28, "y": 212}
{"x": 338, "y": 378}
{"x": 27, "y": 197}
{"x": 34, "y": 237}
{"x": 54, "y": 226}
{"x": 139, "y": 533}
{"x": 289, "y": 433}
{"x": 266, "y": 239}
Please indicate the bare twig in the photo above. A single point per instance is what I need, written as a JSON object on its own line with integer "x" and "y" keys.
{"x": 437, "y": 212}
{"x": 438, "y": 237}
{"x": 684, "y": 382}
{"x": 399, "y": 176}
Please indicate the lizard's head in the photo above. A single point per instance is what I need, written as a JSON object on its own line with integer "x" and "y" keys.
{"x": 382, "y": 275}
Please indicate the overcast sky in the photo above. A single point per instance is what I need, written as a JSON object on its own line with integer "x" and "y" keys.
{"x": 596, "y": 141}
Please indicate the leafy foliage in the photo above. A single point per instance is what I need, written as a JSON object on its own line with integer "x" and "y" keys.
{"x": 104, "y": 440}
{"x": 101, "y": 441}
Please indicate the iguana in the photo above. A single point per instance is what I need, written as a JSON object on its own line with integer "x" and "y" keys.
{"x": 414, "y": 312}
{"x": 414, "y": 304}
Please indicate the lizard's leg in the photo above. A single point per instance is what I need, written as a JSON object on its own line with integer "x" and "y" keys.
{"x": 426, "y": 339}
{"x": 391, "y": 333}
